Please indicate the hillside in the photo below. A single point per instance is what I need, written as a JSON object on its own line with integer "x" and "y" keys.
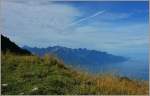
{"x": 79, "y": 57}
{"x": 24, "y": 74}
{"x": 7, "y": 45}
{"x": 48, "y": 76}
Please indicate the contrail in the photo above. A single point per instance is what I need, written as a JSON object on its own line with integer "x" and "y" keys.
{"x": 78, "y": 21}
{"x": 85, "y": 18}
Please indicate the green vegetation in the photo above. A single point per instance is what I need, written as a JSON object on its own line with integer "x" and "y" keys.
{"x": 26, "y": 74}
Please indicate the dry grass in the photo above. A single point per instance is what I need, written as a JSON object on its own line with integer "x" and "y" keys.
{"x": 48, "y": 75}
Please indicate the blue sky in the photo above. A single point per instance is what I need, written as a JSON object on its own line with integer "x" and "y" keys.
{"x": 115, "y": 27}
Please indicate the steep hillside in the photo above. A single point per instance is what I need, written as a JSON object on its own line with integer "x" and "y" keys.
{"x": 7, "y": 45}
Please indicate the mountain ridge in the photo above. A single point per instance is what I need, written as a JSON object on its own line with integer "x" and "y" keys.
{"x": 80, "y": 56}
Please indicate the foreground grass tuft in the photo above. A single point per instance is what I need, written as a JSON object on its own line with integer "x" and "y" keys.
{"x": 33, "y": 75}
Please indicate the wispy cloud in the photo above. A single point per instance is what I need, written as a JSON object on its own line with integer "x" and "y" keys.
{"x": 36, "y": 19}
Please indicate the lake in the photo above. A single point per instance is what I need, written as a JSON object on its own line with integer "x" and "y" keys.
{"x": 136, "y": 69}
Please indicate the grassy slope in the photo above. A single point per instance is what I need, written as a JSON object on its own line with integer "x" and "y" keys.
{"x": 47, "y": 75}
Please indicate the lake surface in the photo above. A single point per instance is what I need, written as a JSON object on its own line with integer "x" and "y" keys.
{"x": 137, "y": 69}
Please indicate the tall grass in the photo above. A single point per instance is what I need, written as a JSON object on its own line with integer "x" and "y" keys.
{"x": 47, "y": 75}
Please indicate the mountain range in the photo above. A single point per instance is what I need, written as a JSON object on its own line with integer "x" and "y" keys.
{"x": 80, "y": 57}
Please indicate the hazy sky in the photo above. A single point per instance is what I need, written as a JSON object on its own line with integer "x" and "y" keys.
{"x": 115, "y": 27}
